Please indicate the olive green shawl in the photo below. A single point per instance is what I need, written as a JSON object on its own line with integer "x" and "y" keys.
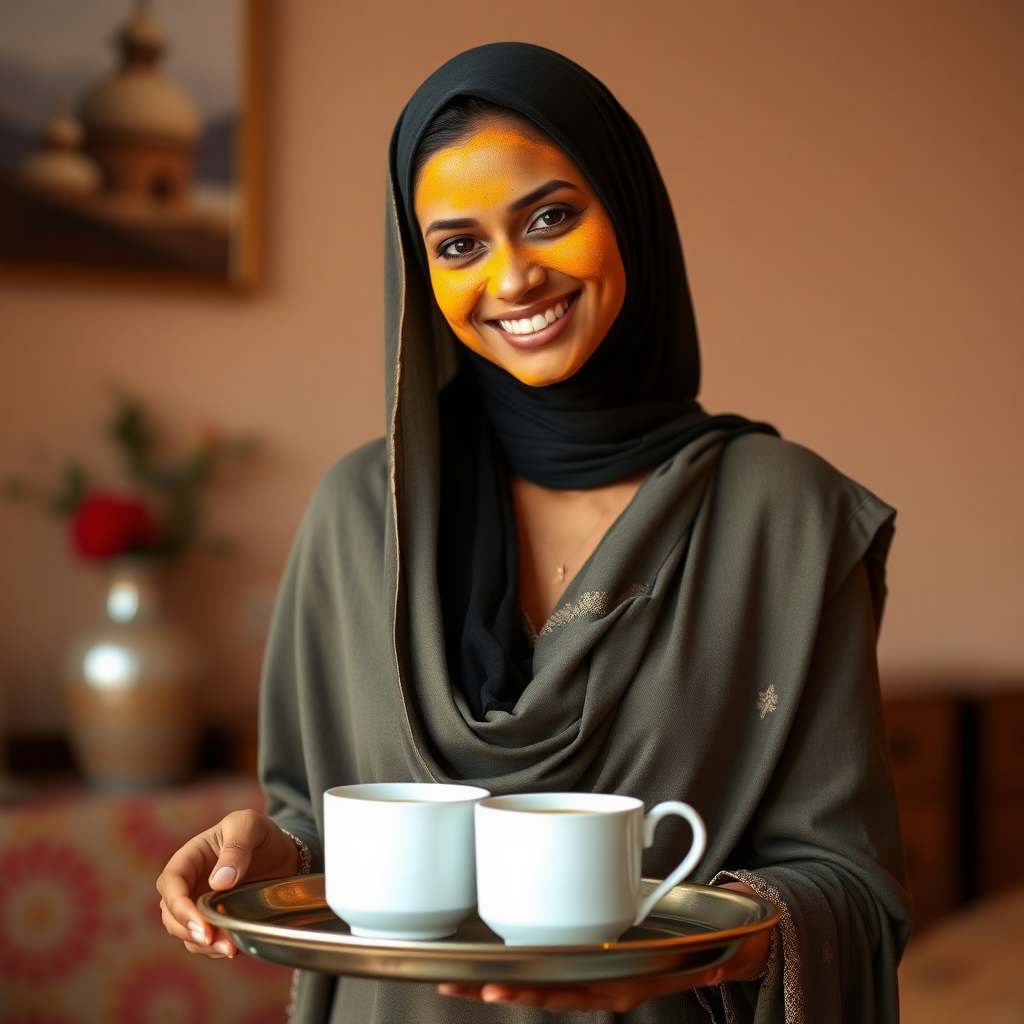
{"x": 717, "y": 647}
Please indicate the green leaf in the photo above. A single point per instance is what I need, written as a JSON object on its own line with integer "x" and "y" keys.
{"x": 134, "y": 434}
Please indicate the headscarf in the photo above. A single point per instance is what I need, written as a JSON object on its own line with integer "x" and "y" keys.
{"x": 634, "y": 402}
{"x": 631, "y": 406}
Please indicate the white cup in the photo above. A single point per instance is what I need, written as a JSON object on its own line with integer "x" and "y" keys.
{"x": 399, "y": 857}
{"x": 557, "y": 869}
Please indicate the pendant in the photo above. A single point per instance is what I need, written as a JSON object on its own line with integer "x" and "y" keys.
{"x": 561, "y": 572}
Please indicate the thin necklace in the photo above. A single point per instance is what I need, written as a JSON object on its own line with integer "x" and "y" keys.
{"x": 561, "y": 563}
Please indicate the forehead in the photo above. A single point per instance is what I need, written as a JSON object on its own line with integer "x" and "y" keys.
{"x": 493, "y": 166}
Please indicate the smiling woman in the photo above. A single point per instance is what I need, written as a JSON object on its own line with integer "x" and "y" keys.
{"x": 558, "y": 573}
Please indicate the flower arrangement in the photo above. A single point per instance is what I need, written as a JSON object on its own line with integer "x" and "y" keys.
{"x": 159, "y": 516}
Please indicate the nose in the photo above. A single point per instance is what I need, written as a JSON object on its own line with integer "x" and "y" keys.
{"x": 514, "y": 274}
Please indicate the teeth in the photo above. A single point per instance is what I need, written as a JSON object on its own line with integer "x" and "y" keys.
{"x": 535, "y": 323}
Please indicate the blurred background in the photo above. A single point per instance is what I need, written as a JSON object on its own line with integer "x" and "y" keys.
{"x": 848, "y": 185}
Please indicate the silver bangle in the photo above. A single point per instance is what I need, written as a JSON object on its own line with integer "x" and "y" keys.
{"x": 305, "y": 857}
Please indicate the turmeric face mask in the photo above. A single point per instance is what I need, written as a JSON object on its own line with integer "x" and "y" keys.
{"x": 523, "y": 257}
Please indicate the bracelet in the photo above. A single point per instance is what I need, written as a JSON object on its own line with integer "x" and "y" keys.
{"x": 305, "y": 857}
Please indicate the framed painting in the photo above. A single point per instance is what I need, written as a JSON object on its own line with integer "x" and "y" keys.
{"x": 130, "y": 140}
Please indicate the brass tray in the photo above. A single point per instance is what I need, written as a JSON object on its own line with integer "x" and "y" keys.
{"x": 288, "y": 922}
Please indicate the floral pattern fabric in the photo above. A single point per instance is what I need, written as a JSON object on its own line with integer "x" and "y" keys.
{"x": 81, "y": 940}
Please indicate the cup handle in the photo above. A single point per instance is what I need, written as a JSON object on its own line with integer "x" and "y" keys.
{"x": 688, "y": 863}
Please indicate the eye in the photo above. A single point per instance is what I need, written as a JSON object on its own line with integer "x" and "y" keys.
{"x": 459, "y": 248}
{"x": 552, "y": 219}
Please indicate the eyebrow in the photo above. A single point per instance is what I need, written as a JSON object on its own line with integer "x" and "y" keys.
{"x": 451, "y": 225}
{"x": 531, "y": 197}
{"x": 539, "y": 193}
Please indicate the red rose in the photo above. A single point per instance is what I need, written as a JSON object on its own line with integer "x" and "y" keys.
{"x": 105, "y": 526}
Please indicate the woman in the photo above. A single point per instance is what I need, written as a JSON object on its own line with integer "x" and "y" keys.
{"x": 557, "y": 572}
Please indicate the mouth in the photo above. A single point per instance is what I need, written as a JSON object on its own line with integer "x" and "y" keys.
{"x": 536, "y": 325}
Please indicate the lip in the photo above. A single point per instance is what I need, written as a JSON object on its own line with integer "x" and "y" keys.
{"x": 545, "y": 334}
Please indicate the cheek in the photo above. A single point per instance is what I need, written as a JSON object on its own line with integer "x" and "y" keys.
{"x": 456, "y": 293}
{"x": 590, "y": 253}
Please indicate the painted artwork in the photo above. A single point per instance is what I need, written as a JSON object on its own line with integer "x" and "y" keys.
{"x": 129, "y": 139}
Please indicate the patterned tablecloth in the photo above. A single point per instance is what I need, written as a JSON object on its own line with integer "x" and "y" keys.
{"x": 80, "y": 934}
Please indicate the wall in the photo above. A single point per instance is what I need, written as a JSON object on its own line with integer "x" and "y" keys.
{"x": 847, "y": 180}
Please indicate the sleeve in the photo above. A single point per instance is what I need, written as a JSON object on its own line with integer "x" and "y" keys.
{"x": 330, "y": 592}
{"x": 824, "y": 843}
{"x": 282, "y": 757}
{"x": 283, "y": 760}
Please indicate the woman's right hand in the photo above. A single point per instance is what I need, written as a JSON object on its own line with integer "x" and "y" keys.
{"x": 244, "y": 846}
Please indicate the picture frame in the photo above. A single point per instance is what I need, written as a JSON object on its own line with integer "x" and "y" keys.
{"x": 140, "y": 165}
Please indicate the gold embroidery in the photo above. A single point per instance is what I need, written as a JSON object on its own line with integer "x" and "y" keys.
{"x": 784, "y": 934}
{"x": 293, "y": 995}
{"x": 305, "y": 854}
{"x": 591, "y": 603}
{"x": 767, "y": 700}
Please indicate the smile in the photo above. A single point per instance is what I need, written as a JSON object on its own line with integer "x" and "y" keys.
{"x": 539, "y": 325}
{"x": 537, "y": 322}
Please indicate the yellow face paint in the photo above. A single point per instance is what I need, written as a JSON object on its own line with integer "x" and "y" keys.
{"x": 516, "y": 237}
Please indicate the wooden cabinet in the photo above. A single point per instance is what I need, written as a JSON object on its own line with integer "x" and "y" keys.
{"x": 958, "y": 768}
{"x": 1001, "y": 791}
{"x": 925, "y": 745}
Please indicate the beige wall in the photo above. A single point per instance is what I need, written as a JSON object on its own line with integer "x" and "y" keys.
{"x": 847, "y": 179}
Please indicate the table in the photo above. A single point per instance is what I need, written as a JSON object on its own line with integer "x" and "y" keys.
{"x": 80, "y": 935}
{"x": 969, "y": 967}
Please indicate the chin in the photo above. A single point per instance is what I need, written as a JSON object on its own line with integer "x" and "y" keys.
{"x": 541, "y": 371}
{"x": 536, "y": 368}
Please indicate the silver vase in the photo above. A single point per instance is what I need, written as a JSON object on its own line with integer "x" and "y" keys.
{"x": 131, "y": 688}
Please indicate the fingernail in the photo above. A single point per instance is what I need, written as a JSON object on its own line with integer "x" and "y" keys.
{"x": 225, "y": 875}
{"x": 197, "y": 932}
{"x": 222, "y": 946}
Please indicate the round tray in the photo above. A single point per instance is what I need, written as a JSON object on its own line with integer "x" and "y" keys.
{"x": 288, "y": 922}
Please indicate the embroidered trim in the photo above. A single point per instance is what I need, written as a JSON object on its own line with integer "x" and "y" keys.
{"x": 392, "y": 449}
{"x": 305, "y": 856}
{"x": 293, "y": 993}
{"x": 703, "y": 1000}
{"x": 784, "y": 935}
{"x": 592, "y": 603}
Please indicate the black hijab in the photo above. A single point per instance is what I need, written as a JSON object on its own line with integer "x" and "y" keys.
{"x": 630, "y": 407}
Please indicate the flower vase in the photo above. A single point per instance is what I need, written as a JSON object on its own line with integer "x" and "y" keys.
{"x": 131, "y": 688}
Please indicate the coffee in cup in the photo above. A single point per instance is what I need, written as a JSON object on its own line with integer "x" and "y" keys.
{"x": 399, "y": 857}
{"x": 557, "y": 869}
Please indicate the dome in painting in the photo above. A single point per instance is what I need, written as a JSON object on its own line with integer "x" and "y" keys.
{"x": 137, "y": 99}
{"x": 140, "y": 104}
{"x": 60, "y": 166}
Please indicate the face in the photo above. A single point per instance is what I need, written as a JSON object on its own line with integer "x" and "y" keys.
{"x": 523, "y": 257}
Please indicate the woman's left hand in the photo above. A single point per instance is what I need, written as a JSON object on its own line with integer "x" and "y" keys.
{"x": 621, "y": 996}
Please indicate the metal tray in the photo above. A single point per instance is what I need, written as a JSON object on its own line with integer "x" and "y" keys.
{"x": 288, "y": 922}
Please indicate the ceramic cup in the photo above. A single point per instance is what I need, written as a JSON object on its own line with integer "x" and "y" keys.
{"x": 556, "y": 869}
{"x": 399, "y": 857}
